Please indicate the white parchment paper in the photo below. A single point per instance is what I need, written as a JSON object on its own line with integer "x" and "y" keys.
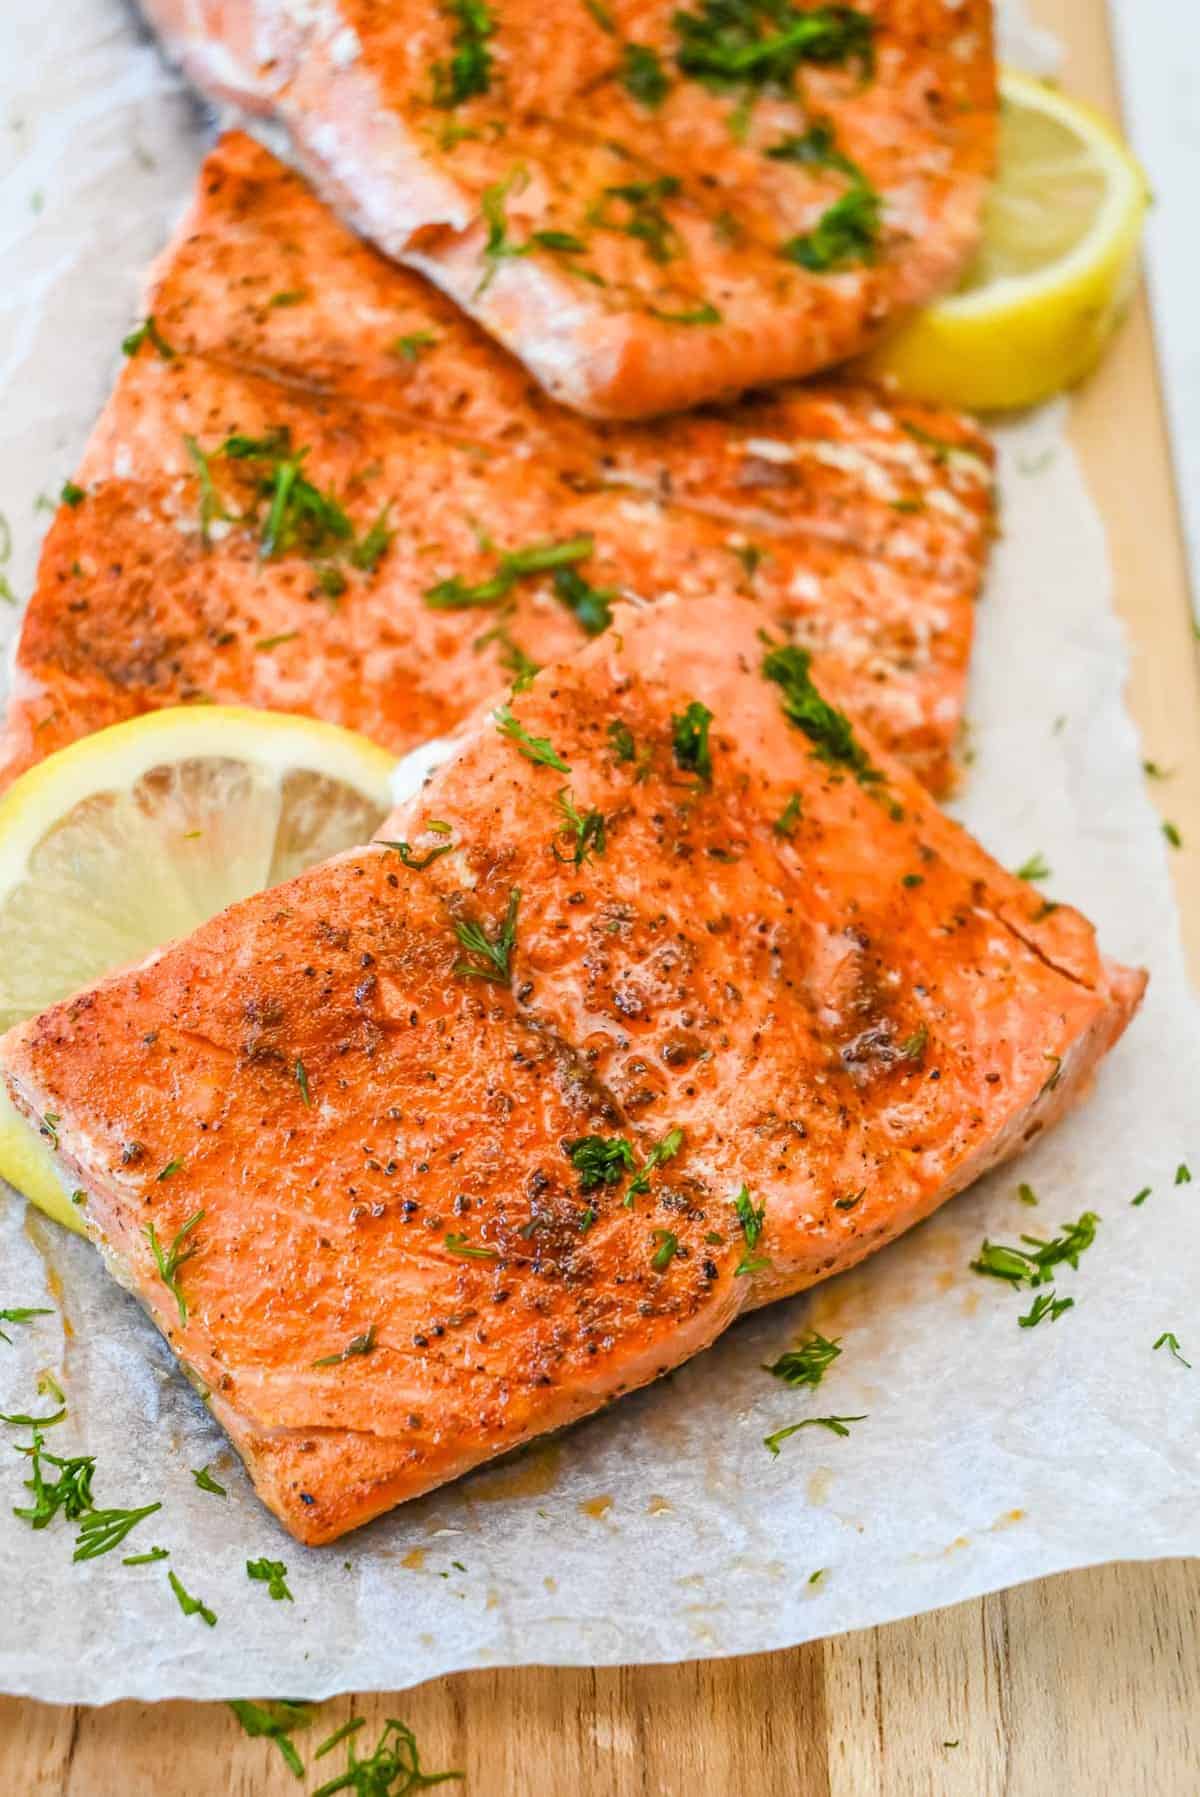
{"x": 663, "y": 1529}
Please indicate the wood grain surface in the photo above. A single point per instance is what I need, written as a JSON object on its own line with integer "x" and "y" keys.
{"x": 1087, "y": 1683}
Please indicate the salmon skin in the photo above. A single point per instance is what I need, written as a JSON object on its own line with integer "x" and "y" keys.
{"x": 284, "y": 347}
{"x": 670, "y": 994}
{"x": 652, "y": 206}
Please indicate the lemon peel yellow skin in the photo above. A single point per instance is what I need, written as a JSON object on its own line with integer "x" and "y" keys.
{"x": 137, "y": 834}
{"x": 1056, "y": 270}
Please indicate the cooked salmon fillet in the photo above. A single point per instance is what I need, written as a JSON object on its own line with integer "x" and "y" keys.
{"x": 860, "y": 526}
{"x": 672, "y": 994}
{"x": 651, "y": 205}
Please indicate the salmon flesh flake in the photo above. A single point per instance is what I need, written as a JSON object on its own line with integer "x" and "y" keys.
{"x": 652, "y": 205}
{"x": 420, "y": 456}
{"x": 671, "y": 993}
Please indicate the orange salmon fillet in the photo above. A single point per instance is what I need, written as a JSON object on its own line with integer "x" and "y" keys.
{"x": 652, "y": 205}
{"x": 457, "y": 1127}
{"x": 861, "y": 527}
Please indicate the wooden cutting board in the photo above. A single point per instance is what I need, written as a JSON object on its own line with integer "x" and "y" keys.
{"x": 1079, "y": 1685}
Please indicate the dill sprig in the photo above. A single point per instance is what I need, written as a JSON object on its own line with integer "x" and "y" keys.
{"x": 275, "y": 1722}
{"x": 807, "y": 1363}
{"x": 171, "y": 1262}
{"x": 489, "y": 956}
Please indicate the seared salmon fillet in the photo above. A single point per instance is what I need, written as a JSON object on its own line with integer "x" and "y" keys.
{"x": 415, "y": 457}
{"x": 671, "y": 993}
{"x": 651, "y": 205}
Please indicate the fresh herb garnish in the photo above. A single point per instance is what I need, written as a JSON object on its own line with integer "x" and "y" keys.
{"x": 1172, "y": 833}
{"x": 513, "y": 658}
{"x": 413, "y": 346}
{"x": 789, "y": 817}
{"x": 586, "y": 827}
{"x": 289, "y": 296}
{"x": 1036, "y": 868}
{"x": 20, "y": 1419}
{"x": 600, "y": 1160}
{"x": 636, "y": 210}
{"x": 1033, "y": 1264}
{"x": 277, "y": 1723}
{"x": 663, "y": 1151}
{"x": 1047, "y": 1305}
{"x": 168, "y": 1172}
{"x": 362, "y": 1344}
{"x": 846, "y": 232}
{"x": 689, "y": 740}
{"x": 837, "y": 1425}
{"x": 592, "y": 606}
{"x": 620, "y": 737}
{"x": 147, "y": 332}
{"x": 288, "y": 511}
{"x": 339, "y": 1735}
{"x": 1183, "y": 1174}
{"x": 72, "y": 494}
{"x": 71, "y": 1492}
{"x": 176, "y": 1257}
{"x": 301, "y": 1073}
{"x": 538, "y": 749}
{"x": 272, "y": 1574}
{"x": 417, "y": 863}
{"x": 1139, "y": 1198}
{"x": 493, "y": 204}
{"x": 49, "y": 1128}
{"x": 829, "y": 730}
{"x": 191, "y": 1606}
{"x": 643, "y": 76}
{"x": 564, "y": 242}
{"x": 808, "y": 1363}
{"x": 516, "y": 564}
{"x": 148, "y": 1558}
{"x": 206, "y": 1482}
{"x": 23, "y": 1314}
{"x": 373, "y": 545}
{"x": 458, "y": 1244}
{"x": 703, "y": 313}
{"x": 665, "y": 1252}
{"x": 1054, "y": 1076}
{"x": 211, "y": 507}
{"x": 469, "y": 70}
{"x": 331, "y": 582}
{"x": 752, "y": 1222}
{"x": 1168, "y": 1340}
{"x": 297, "y": 513}
{"x": 815, "y": 148}
{"x": 490, "y": 956}
{"x": 762, "y": 43}
{"x": 102, "y": 1530}
{"x": 941, "y": 449}
{"x": 393, "y": 1770}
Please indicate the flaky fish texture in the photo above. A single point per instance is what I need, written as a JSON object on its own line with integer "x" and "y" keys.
{"x": 314, "y": 471}
{"x": 652, "y": 205}
{"x": 670, "y": 994}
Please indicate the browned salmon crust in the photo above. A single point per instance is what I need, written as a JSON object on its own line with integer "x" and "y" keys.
{"x": 860, "y": 526}
{"x": 652, "y": 205}
{"x": 747, "y": 947}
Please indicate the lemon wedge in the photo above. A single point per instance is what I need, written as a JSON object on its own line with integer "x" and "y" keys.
{"x": 137, "y": 834}
{"x": 1055, "y": 270}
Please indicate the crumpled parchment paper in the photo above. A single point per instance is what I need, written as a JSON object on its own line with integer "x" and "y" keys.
{"x": 662, "y": 1530}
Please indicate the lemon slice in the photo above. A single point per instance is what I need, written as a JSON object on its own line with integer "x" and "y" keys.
{"x": 1055, "y": 271}
{"x": 137, "y": 834}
